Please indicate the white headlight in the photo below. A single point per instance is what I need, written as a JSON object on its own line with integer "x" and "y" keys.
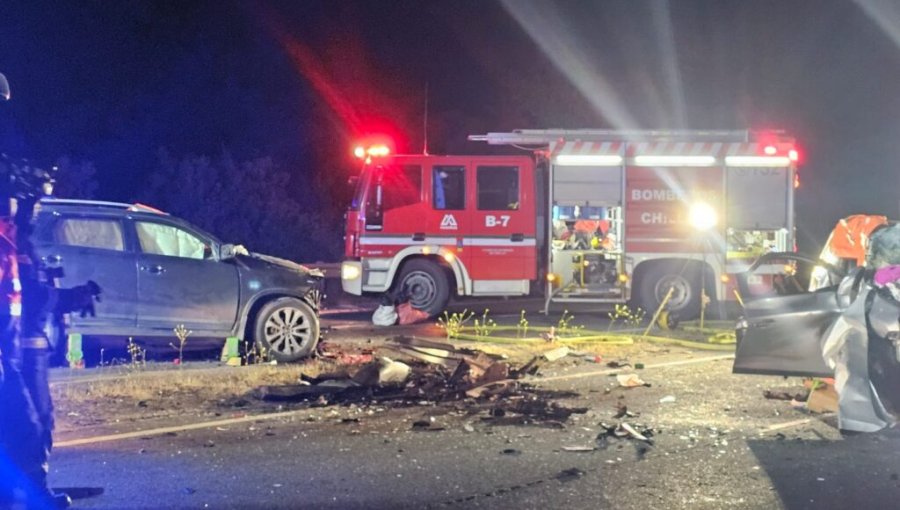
{"x": 702, "y": 216}
{"x": 350, "y": 271}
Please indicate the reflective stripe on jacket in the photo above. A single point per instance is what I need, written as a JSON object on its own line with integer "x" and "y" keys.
{"x": 10, "y": 285}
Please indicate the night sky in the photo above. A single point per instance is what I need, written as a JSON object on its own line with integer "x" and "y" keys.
{"x": 113, "y": 82}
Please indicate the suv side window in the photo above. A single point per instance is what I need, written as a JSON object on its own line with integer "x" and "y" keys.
{"x": 99, "y": 233}
{"x": 170, "y": 241}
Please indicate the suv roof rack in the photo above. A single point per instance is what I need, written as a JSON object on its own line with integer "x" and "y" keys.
{"x": 103, "y": 204}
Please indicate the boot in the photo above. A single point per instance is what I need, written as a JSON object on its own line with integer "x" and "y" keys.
{"x": 60, "y": 500}
{"x": 43, "y": 497}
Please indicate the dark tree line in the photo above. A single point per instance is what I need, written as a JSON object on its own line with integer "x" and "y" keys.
{"x": 252, "y": 202}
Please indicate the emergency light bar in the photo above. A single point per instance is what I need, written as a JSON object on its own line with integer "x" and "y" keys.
{"x": 758, "y": 161}
{"x": 377, "y": 150}
{"x": 674, "y": 160}
{"x": 589, "y": 160}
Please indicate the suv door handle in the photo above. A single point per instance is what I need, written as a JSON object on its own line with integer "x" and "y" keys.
{"x": 52, "y": 259}
{"x": 157, "y": 269}
{"x": 517, "y": 238}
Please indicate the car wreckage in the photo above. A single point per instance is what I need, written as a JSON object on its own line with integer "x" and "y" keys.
{"x": 846, "y": 328}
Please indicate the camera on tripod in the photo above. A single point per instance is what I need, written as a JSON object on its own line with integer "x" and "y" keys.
{"x": 23, "y": 181}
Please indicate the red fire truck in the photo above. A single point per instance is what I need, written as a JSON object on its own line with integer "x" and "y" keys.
{"x": 588, "y": 216}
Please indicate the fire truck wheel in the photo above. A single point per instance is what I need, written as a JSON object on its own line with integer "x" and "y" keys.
{"x": 287, "y": 328}
{"x": 425, "y": 285}
{"x": 685, "y": 299}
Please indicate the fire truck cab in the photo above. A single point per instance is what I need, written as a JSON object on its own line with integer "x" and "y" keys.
{"x": 426, "y": 226}
{"x": 589, "y": 216}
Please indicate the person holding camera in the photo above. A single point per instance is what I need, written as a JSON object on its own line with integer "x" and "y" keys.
{"x": 28, "y": 298}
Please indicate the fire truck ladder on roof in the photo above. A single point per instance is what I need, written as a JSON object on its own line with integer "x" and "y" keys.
{"x": 547, "y": 136}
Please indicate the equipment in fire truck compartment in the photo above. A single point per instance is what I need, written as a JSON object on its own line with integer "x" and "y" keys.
{"x": 750, "y": 244}
{"x": 586, "y": 254}
{"x": 593, "y": 269}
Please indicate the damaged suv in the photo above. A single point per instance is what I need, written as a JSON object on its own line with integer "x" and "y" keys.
{"x": 847, "y": 327}
{"x": 157, "y": 272}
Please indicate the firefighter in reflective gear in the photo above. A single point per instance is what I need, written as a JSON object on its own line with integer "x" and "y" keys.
{"x": 846, "y": 246}
{"x": 27, "y": 407}
{"x": 23, "y": 455}
{"x": 42, "y": 302}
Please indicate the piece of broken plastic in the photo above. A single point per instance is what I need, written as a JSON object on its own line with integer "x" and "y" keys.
{"x": 629, "y": 380}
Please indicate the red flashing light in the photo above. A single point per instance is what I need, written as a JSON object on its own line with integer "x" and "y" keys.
{"x": 378, "y": 150}
{"x": 370, "y": 150}
{"x": 770, "y": 150}
{"x": 793, "y": 155}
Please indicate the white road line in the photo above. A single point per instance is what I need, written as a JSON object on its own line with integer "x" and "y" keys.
{"x": 617, "y": 370}
{"x": 785, "y": 425}
{"x": 179, "y": 428}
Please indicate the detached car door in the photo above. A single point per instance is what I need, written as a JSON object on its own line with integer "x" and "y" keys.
{"x": 86, "y": 248}
{"x": 783, "y": 325}
{"x": 181, "y": 282}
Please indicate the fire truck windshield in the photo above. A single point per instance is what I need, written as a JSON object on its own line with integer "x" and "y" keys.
{"x": 360, "y": 191}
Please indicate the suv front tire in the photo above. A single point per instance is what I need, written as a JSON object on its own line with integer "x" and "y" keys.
{"x": 287, "y": 329}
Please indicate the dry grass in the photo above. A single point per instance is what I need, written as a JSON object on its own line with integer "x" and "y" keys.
{"x": 209, "y": 383}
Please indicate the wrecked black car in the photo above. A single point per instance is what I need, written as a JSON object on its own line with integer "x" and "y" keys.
{"x": 846, "y": 329}
{"x": 157, "y": 272}
{"x": 782, "y": 327}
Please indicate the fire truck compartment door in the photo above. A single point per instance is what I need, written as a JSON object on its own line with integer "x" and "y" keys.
{"x": 757, "y": 198}
{"x": 503, "y": 246}
{"x": 580, "y": 185}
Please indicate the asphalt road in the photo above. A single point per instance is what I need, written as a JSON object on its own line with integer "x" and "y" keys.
{"x": 718, "y": 444}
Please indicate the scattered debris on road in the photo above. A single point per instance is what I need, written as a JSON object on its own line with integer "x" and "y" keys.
{"x": 437, "y": 373}
{"x": 630, "y": 381}
{"x": 382, "y": 372}
{"x": 823, "y": 399}
{"x": 409, "y": 315}
{"x": 569, "y": 475}
{"x": 555, "y": 354}
{"x": 579, "y": 448}
{"x": 786, "y": 395}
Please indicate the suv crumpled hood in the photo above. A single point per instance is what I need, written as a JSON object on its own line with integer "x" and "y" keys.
{"x": 288, "y": 264}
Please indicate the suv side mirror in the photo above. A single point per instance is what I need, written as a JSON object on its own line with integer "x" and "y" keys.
{"x": 230, "y": 251}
